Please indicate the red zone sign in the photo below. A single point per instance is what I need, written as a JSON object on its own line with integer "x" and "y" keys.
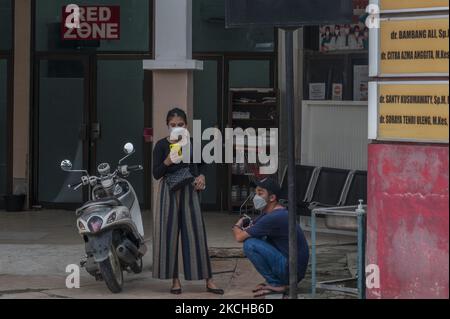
{"x": 90, "y": 22}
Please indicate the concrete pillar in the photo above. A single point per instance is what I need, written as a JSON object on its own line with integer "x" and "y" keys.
{"x": 22, "y": 27}
{"x": 173, "y": 66}
{"x": 408, "y": 220}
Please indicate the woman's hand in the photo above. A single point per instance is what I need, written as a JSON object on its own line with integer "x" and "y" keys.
{"x": 200, "y": 183}
{"x": 173, "y": 158}
{"x": 168, "y": 160}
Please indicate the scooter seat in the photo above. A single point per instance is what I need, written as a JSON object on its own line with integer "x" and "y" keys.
{"x": 111, "y": 201}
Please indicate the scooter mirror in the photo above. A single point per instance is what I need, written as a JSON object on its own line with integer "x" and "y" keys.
{"x": 128, "y": 148}
{"x": 66, "y": 165}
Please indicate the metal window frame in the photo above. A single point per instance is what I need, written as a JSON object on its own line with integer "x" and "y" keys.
{"x": 8, "y": 55}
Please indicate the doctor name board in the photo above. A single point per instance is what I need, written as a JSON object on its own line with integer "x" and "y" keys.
{"x": 390, "y": 6}
{"x": 411, "y": 47}
{"x": 410, "y": 111}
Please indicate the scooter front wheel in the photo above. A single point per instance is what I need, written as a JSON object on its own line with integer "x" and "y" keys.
{"x": 137, "y": 266}
{"x": 112, "y": 273}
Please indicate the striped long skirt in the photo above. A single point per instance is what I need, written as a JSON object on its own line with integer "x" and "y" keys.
{"x": 179, "y": 214}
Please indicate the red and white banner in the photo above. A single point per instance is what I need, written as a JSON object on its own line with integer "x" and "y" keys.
{"x": 90, "y": 22}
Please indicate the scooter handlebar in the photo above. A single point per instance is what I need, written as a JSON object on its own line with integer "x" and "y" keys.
{"x": 75, "y": 186}
{"x": 84, "y": 182}
{"x": 135, "y": 168}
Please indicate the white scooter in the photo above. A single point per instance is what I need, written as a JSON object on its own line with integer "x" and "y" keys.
{"x": 110, "y": 223}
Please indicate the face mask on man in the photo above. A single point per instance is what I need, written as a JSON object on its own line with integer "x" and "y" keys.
{"x": 259, "y": 203}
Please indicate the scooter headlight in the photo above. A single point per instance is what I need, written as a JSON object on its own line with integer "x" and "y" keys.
{"x": 95, "y": 224}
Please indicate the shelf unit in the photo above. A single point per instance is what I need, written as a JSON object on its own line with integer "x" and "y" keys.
{"x": 253, "y": 113}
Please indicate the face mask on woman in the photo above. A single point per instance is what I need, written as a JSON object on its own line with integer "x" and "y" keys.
{"x": 259, "y": 202}
{"x": 176, "y": 132}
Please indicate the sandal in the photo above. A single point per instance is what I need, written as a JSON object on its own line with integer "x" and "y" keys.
{"x": 259, "y": 287}
{"x": 269, "y": 291}
{"x": 176, "y": 291}
{"x": 215, "y": 291}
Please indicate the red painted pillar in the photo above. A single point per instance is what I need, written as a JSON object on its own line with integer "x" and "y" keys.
{"x": 408, "y": 220}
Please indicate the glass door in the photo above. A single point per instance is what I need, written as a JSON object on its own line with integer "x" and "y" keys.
{"x": 61, "y": 130}
{"x": 208, "y": 108}
{"x": 120, "y": 115}
{"x": 88, "y": 108}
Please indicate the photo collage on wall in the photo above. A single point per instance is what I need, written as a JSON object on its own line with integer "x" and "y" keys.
{"x": 341, "y": 37}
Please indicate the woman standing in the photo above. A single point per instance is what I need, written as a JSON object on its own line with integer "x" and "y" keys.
{"x": 178, "y": 213}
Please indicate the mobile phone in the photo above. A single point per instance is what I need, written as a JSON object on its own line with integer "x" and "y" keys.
{"x": 247, "y": 221}
{"x": 176, "y": 147}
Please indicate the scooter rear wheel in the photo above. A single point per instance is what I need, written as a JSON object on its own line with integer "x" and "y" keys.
{"x": 112, "y": 273}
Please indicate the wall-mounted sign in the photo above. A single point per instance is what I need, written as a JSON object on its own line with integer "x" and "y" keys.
{"x": 409, "y": 111}
{"x": 388, "y": 6}
{"x": 317, "y": 91}
{"x": 410, "y": 46}
{"x": 338, "y": 89}
{"x": 90, "y": 23}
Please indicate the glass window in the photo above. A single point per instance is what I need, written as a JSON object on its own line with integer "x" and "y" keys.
{"x": 3, "y": 126}
{"x": 210, "y": 35}
{"x": 134, "y": 26}
{"x": 249, "y": 74}
{"x": 5, "y": 25}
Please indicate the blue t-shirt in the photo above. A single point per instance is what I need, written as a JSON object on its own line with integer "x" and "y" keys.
{"x": 274, "y": 228}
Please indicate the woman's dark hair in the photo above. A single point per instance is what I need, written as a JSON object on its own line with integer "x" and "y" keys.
{"x": 176, "y": 112}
